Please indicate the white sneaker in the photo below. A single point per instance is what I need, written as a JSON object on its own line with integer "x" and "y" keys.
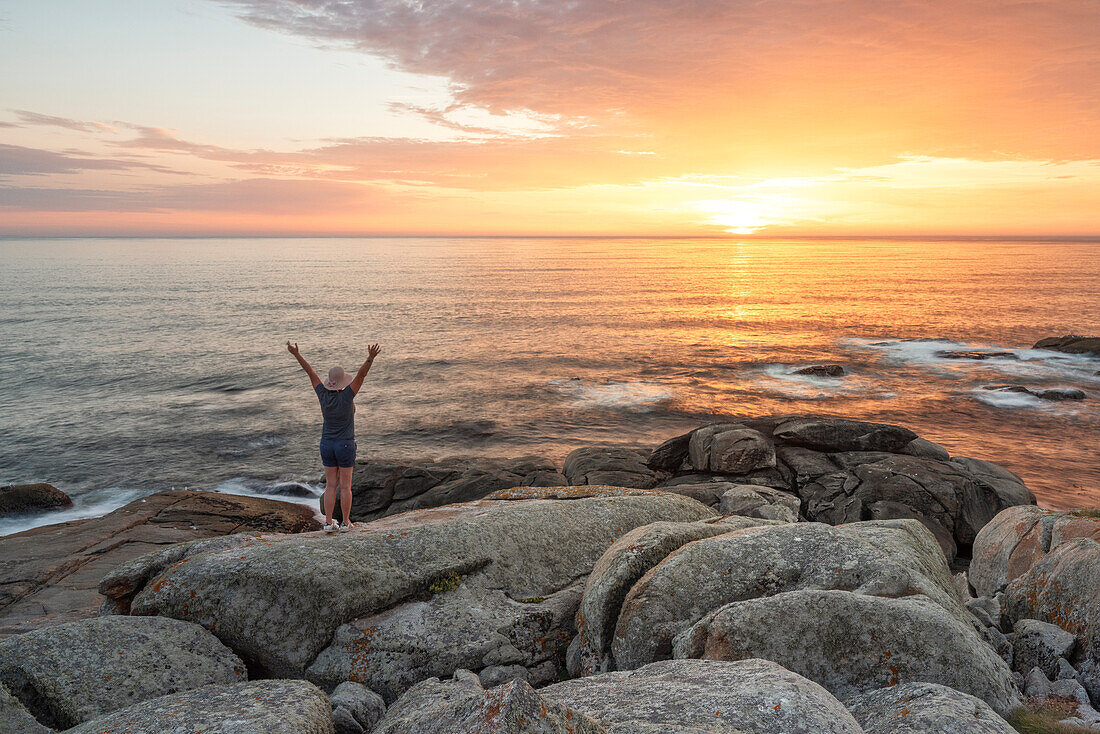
{"x": 332, "y": 527}
{"x": 346, "y": 527}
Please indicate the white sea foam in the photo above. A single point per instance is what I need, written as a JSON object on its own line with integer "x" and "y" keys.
{"x": 632, "y": 396}
{"x": 91, "y": 504}
{"x": 1024, "y": 363}
{"x": 781, "y": 379}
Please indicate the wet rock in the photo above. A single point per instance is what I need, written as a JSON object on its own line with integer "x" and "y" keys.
{"x": 852, "y": 643}
{"x": 925, "y": 449}
{"x": 50, "y": 574}
{"x": 944, "y": 496}
{"x": 892, "y": 558}
{"x": 278, "y": 604}
{"x": 74, "y": 672}
{"x": 259, "y": 707}
{"x": 611, "y": 466}
{"x": 1040, "y": 645}
{"x": 839, "y": 434}
{"x": 730, "y": 448}
{"x": 1071, "y": 344}
{"x": 1007, "y": 488}
{"x": 924, "y": 708}
{"x": 362, "y": 705}
{"x": 670, "y": 456}
{"x": 382, "y": 488}
{"x": 752, "y": 500}
{"x": 1053, "y": 393}
{"x": 706, "y": 696}
{"x": 16, "y": 498}
{"x": 620, "y": 567}
{"x": 964, "y": 354}
{"x": 822, "y": 370}
{"x": 462, "y": 706}
{"x": 1061, "y": 589}
{"x": 14, "y": 717}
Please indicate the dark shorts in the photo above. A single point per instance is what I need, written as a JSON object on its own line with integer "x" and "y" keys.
{"x": 337, "y": 452}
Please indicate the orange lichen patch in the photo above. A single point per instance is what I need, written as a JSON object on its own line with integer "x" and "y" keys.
{"x": 776, "y": 707}
{"x": 903, "y": 712}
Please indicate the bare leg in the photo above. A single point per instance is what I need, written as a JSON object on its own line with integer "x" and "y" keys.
{"x": 330, "y": 492}
{"x": 345, "y": 492}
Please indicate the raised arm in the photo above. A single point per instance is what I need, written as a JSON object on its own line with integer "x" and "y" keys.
{"x": 293, "y": 349}
{"x": 372, "y": 351}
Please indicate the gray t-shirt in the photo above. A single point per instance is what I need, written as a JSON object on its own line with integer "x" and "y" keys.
{"x": 338, "y": 408}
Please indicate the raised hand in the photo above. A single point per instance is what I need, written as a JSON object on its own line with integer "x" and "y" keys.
{"x": 292, "y": 348}
{"x": 373, "y": 351}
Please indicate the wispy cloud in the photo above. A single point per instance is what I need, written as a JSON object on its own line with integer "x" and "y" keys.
{"x": 37, "y": 118}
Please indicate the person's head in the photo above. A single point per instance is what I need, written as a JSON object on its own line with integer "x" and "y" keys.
{"x": 337, "y": 379}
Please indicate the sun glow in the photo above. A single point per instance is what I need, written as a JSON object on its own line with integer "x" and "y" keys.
{"x": 749, "y": 214}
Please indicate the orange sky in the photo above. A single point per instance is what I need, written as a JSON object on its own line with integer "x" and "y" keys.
{"x": 663, "y": 117}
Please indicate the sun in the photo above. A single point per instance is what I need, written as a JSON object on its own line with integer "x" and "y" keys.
{"x": 747, "y": 214}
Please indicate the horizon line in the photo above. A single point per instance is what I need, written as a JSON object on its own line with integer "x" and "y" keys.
{"x": 724, "y": 236}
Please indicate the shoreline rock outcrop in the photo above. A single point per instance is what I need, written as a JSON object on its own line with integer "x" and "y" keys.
{"x": 50, "y": 574}
{"x": 779, "y": 575}
{"x": 1071, "y": 344}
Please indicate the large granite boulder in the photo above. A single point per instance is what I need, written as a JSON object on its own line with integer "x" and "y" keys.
{"x": 50, "y": 574}
{"x": 626, "y": 561}
{"x": 1062, "y": 589}
{"x": 924, "y": 708}
{"x": 1071, "y": 344}
{"x": 381, "y": 488}
{"x": 854, "y": 642}
{"x": 355, "y": 708}
{"x": 279, "y": 600}
{"x": 890, "y": 558}
{"x": 463, "y": 628}
{"x": 1018, "y": 538}
{"x": 611, "y": 466}
{"x": 845, "y": 471}
{"x": 462, "y": 706}
{"x": 259, "y": 707}
{"x": 16, "y": 498}
{"x": 692, "y": 696}
{"x": 73, "y": 672}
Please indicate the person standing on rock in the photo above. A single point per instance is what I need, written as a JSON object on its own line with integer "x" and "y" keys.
{"x": 337, "y": 396}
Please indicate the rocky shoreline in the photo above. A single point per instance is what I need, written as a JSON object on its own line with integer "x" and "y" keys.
{"x": 776, "y": 575}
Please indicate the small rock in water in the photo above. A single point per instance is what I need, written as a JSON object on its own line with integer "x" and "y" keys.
{"x": 958, "y": 354}
{"x": 30, "y": 497}
{"x": 1053, "y": 393}
{"x": 822, "y": 370}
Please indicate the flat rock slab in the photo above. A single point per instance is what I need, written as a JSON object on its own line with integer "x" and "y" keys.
{"x": 925, "y": 708}
{"x": 462, "y": 706}
{"x": 50, "y": 574}
{"x": 851, "y": 643}
{"x": 279, "y": 600}
{"x": 260, "y": 707}
{"x": 706, "y": 696}
{"x": 73, "y": 672}
{"x": 1071, "y": 344}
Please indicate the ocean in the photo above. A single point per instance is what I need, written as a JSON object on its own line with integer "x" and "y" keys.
{"x": 131, "y": 366}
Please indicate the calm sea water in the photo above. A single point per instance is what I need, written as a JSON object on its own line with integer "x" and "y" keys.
{"x": 131, "y": 366}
